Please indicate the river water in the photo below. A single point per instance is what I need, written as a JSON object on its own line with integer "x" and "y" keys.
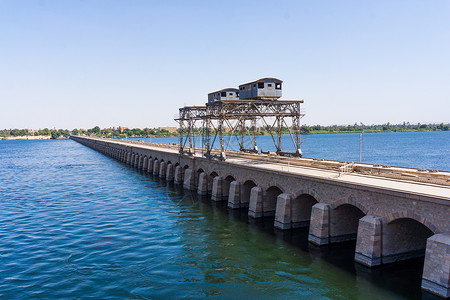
{"x": 77, "y": 224}
{"x": 425, "y": 149}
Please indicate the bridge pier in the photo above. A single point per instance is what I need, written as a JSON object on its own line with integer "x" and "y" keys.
{"x": 150, "y": 165}
{"x": 156, "y": 167}
{"x": 319, "y": 229}
{"x": 202, "y": 184}
{"x": 169, "y": 172}
{"x": 189, "y": 179}
{"x": 140, "y": 160}
{"x": 136, "y": 160}
{"x": 217, "y": 189}
{"x": 162, "y": 170}
{"x": 283, "y": 212}
{"x": 145, "y": 163}
{"x": 255, "y": 208}
{"x": 234, "y": 197}
{"x": 333, "y": 225}
{"x": 368, "y": 241}
{"x": 178, "y": 175}
{"x": 436, "y": 270}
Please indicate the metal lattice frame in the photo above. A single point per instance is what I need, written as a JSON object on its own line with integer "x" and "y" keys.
{"x": 188, "y": 130}
{"x": 238, "y": 119}
{"x": 233, "y": 116}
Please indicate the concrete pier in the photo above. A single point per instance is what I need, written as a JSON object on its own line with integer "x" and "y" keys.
{"x": 436, "y": 270}
{"x": 178, "y": 175}
{"x": 202, "y": 184}
{"x": 217, "y": 189}
{"x": 162, "y": 170}
{"x": 169, "y": 172}
{"x": 234, "y": 196}
{"x": 255, "y": 208}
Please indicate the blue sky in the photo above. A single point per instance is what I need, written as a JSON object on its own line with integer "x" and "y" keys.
{"x": 78, "y": 64}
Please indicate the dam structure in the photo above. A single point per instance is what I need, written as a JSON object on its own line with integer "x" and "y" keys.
{"x": 393, "y": 213}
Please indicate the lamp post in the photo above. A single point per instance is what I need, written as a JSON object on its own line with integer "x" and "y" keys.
{"x": 360, "y": 141}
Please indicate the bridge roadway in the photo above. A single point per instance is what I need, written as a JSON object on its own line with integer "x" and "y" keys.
{"x": 392, "y": 219}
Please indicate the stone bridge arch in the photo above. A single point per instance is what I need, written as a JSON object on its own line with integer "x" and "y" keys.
{"x": 349, "y": 201}
{"x": 410, "y": 214}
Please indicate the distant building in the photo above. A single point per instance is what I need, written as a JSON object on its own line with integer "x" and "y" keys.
{"x": 169, "y": 129}
{"x": 32, "y": 131}
{"x": 122, "y": 129}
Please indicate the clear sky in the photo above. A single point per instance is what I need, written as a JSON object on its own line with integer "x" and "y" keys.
{"x": 78, "y": 64}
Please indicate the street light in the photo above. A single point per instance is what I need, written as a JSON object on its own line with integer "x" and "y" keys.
{"x": 360, "y": 141}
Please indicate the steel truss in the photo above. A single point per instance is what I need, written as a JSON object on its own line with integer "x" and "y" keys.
{"x": 189, "y": 131}
{"x": 237, "y": 119}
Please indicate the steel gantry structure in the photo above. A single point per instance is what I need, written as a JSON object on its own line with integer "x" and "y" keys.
{"x": 232, "y": 115}
{"x": 189, "y": 131}
{"x": 222, "y": 122}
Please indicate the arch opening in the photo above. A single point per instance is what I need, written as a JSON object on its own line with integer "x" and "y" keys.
{"x": 301, "y": 210}
{"x": 270, "y": 200}
{"x": 403, "y": 239}
{"x": 246, "y": 191}
{"x": 344, "y": 221}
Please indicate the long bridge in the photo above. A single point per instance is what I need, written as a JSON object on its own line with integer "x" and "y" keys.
{"x": 393, "y": 213}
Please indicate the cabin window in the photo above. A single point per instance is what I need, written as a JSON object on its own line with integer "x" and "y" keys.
{"x": 260, "y": 85}
{"x": 230, "y": 95}
{"x": 223, "y": 94}
{"x": 278, "y": 86}
{"x": 237, "y": 94}
{"x": 254, "y": 85}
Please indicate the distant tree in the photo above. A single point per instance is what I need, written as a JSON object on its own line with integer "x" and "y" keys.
{"x": 55, "y": 134}
{"x": 95, "y": 130}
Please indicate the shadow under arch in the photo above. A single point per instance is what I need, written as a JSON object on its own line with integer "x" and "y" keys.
{"x": 246, "y": 191}
{"x": 344, "y": 220}
{"x": 270, "y": 200}
{"x": 404, "y": 236}
{"x": 301, "y": 210}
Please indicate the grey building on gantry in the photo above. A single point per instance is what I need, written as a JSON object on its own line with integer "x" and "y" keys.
{"x": 224, "y": 94}
{"x": 261, "y": 89}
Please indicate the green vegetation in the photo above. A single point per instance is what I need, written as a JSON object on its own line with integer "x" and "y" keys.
{"x": 154, "y": 132}
{"x": 406, "y": 126}
{"x": 54, "y": 133}
{"x": 64, "y": 133}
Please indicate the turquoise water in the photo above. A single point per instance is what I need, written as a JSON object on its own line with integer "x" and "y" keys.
{"x": 77, "y": 224}
{"x": 427, "y": 150}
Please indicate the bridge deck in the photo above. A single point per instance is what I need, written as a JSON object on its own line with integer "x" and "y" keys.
{"x": 441, "y": 192}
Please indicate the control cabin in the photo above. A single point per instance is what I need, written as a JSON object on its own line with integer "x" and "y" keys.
{"x": 262, "y": 89}
{"x": 225, "y": 94}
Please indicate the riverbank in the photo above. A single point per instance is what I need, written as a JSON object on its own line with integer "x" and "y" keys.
{"x": 39, "y": 137}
